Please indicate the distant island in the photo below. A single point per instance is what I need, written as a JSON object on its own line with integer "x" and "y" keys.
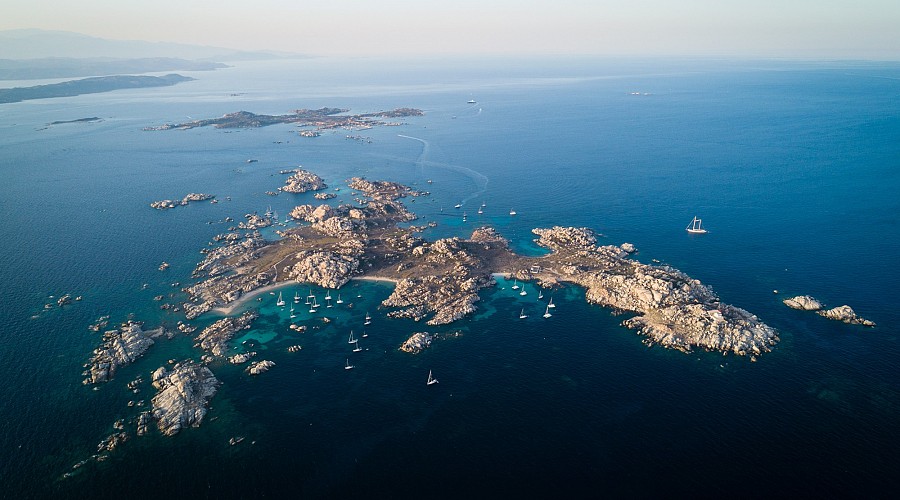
{"x": 88, "y": 86}
{"x": 322, "y": 118}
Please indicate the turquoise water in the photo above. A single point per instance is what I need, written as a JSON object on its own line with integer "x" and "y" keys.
{"x": 793, "y": 167}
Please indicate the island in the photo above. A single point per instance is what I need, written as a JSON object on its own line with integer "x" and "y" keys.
{"x": 439, "y": 281}
{"x": 320, "y": 119}
{"x": 89, "y": 86}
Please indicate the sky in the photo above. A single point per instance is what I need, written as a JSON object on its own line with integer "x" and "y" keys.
{"x": 847, "y": 29}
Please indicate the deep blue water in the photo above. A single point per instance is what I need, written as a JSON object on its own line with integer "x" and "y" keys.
{"x": 792, "y": 166}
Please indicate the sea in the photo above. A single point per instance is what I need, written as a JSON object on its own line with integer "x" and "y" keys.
{"x": 793, "y": 167}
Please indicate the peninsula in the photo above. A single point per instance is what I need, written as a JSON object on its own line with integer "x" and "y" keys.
{"x": 88, "y": 86}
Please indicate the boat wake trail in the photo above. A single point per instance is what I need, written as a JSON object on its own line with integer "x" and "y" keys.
{"x": 480, "y": 180}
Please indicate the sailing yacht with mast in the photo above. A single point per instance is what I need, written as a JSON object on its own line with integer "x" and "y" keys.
{"x": 551, "y": 305}
{"x": 368, "y": 319}
{"x": 515, "y": 285}
{"x": 296, "y": 297}
{"x": 547, "y": 312}
{"x": 339, "y": 301}
{"x": 292, "y": 312}
{"x": 522, "y": 314}
{"x": 431, "y": 379}
{"x": 348, "y": 366}
{"x": 694, "y": 226}
{"x": 352, "y": 340}
{"x": 280, "y": 302}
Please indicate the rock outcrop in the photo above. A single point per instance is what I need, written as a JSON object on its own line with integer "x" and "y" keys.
{"x": 215, "y": 337}
{"x": 417, "y": 343}
{"x": 845, "y": 314}
{"x": 803, "y": 303}
{"x": 183, "y": 396}
{"x": 303, "y": 181}
{"x": 120, "y": 347}
{"x": 167, "y": 204}
{"x": 258, "y": 367}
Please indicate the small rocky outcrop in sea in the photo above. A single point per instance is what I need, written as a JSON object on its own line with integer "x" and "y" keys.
{"x": 167, "y": 204}
{"x": 418, "y": 342}
{"x": 803, "y": 303}
{"x": 324, "y": 196}
{"x": 258, "y": 367}
{"x": 241, "y": 358}
{"x": 215, "y": 337}
{"x": 302, "y": 181}
{"x": 184, "y": 394}
{"x": 845, "y": 314}
{"x": 120, "y": 347}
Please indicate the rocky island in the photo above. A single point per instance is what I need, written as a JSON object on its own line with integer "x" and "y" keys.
{"x": 167, "y": 204}
{"x": 120, "y": 348}
{"x": 844, "y": 314}
{"x": 184, "y": 394}
{"x": 439, "y": 281}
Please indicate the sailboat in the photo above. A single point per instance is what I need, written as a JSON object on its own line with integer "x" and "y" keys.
{"x": 480, "y": 211}
{"x": 310, "y": 297}
{"x": 328, "y": 295}
{"x": 296, "y": 297}
{"x": 515, "y": 285}
{"x": 280, "y": 302}
{"x": 292, "y": 312}
{"x": 357, "y": 348}
{"x": 540, "y": 294}
{"x": 352, "y": 340}
{"x": 328, "y": 302}
{"x": 523, "y": 292}
{"x": 458, "y": 205}
{"x": 431, "y": 379}
{"x": 522, "y": 314}
{"x": 365, "y": 334}
{"x": 547, "y": 312}
{"x": 368, "y": 319}
{"x": 551, "y": 305}
{"x": 313, "y": 305}
{"x": 694, "y": 226}
{"x": 464, "y": 216}
{"x": 512, "y": 212}
{"x": 339, "y": 301}
{"x": 348, "y": 366}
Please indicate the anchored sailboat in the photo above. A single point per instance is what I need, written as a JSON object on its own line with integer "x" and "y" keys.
{"x": 522, "y": 314}
{"x": 339, "y": 301}
{"x": 352, "y": 340}
{"x": 368, "y": 319}
{"x": 348, "y": 366}
{"x": 694, "y": 226}
{"x": 551, "y": 305}
{"x": 296, "y": 297}
{"x": 515, "y": 285}
{"x": 431, "y": 379}
{"x": 547, "y": 312}
{"x": 280, "y": 302}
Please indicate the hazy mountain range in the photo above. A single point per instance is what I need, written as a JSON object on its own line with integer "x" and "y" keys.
{"x": 33, "y": 54}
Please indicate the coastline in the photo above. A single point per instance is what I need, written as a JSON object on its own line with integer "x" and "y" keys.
{"x": 230, "y": 308}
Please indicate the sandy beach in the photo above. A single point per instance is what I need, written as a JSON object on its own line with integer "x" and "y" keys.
{"x": 235, "y": 305}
